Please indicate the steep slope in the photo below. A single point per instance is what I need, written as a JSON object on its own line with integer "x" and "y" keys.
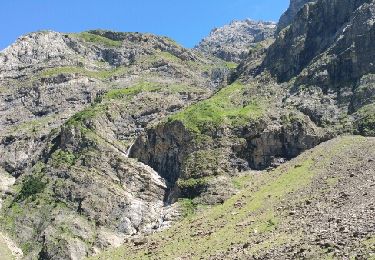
{"x": 72, "y": 105}
{"x": 287, "y": 18}
{"x": 326, "y": 57}
{"x": 319, "y": 205}
{"x": 232, "y": 42}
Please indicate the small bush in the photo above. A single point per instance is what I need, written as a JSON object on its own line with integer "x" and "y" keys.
{"x": 191, "y": 188}
{"x": 31, "y": 186}
{"x": 63, "y": 158}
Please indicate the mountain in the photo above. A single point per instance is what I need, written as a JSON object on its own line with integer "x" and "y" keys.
{"x": 232, "y": 42}
{"x": 72, "y": 105}
{"x": 107, "y": 138}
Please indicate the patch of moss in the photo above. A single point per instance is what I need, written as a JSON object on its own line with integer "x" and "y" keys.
{"x": 227, "y": 107}
{"x": 94, "y": 38}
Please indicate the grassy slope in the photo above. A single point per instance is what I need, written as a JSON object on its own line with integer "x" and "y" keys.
{"x": 229, "y": 106}
{"x": 247, "y": 216}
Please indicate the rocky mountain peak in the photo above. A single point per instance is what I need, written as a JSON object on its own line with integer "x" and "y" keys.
{"x": 233, "y": 41}
{"x": 294, "y": 7}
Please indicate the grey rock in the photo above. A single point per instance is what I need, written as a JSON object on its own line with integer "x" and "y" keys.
{"x": 233, "y": 42}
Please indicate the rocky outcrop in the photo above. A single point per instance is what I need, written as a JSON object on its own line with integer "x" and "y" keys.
{"x": 192, "y": 161}
{"x": 327, "y": 54}
{"x": 234, "y": 41}
{"x": 312, "y": 32}
{"x": 287, "y": 18}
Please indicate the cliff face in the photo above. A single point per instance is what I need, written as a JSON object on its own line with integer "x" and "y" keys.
{"x": 234, "y": 41}
{"x": 327, "y": 51}
{"x": 320, "y": 30}
{"x": 287, "y": 18}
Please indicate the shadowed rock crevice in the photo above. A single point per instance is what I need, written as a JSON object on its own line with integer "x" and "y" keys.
{"x": 189, "y": 165}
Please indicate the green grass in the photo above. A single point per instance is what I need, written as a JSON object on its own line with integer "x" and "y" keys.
{"x": 231, "y": 65}
{"x": 94, "y": 38}
{"x": 188, "y": 207}
{"x": 132, "y": 91}
{"x": 227, "y": 107}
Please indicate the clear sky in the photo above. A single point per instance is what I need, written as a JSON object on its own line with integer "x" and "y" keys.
{"x": 186, "y": 21}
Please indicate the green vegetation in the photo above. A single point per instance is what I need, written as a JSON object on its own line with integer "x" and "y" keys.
{"x": 188, "y": 207}
{"x": 203, "y": 163}
{"x": 227, "y": 107}
{"x": 366, "y": 120}
{"x": 63, "y": 158}
{"x": 132, "y": 91}
{"x": 94, "y": 38}
{"x": 231, "y": 65}
{"x": 31, "y": 186}
{"x": 192, "y": 187}
{"x": 242, "y": 181}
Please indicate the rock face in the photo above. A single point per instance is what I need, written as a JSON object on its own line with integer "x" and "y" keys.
{"x": 287, "y": 17}
{"x": 327, "y": 50}
{"x": 233, "y": 42}
{"x": 47, "y": 77}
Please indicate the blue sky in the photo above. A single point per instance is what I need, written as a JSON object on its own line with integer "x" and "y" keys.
{"x": 185, "y": 21}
